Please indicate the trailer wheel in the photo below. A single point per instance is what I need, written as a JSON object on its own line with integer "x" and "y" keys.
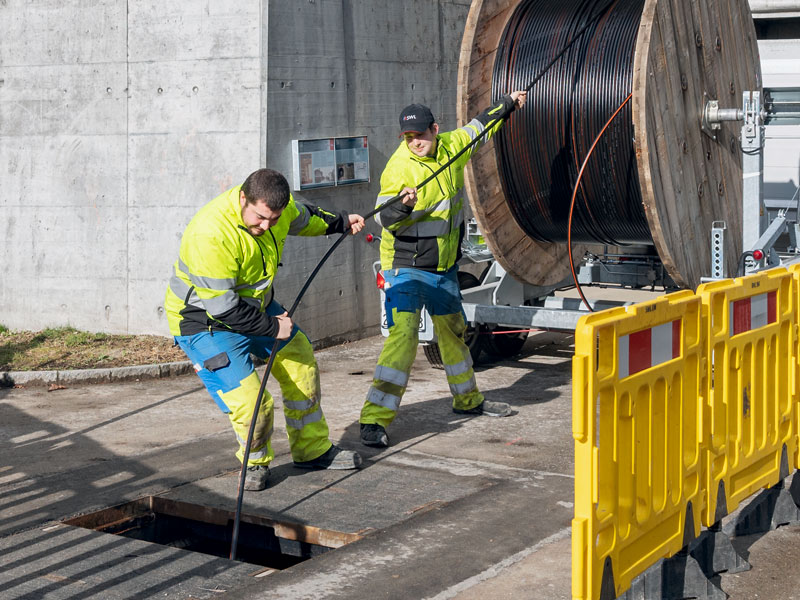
{"x": 471, "y": 338}
{"x": 504, "y": 345}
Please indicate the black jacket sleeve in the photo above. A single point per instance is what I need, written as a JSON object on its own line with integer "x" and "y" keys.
{"x": 339, "y": 223}
{"x": 247, "y": 319}
{"x": 336, "y": 221}
{"x": 502, "y": 108}
{"x": 395, "y": 213}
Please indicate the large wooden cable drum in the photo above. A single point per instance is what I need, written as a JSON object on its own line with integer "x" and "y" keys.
{"x": 655, "y": 177}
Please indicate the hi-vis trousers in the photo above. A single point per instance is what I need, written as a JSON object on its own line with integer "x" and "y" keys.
{"x": 222, "y": 361}
{"x": 407, "y": 291}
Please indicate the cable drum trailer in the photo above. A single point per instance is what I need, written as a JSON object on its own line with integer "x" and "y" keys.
{"x": 765, "y": 232}
{"x": 500, "y": 309}
{"x": 771, "y": 237}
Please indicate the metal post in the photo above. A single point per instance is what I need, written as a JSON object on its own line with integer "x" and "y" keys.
{"x": 718, "y": 250}
{"x": 754, "y": 217}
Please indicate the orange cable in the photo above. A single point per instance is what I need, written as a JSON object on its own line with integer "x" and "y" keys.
{"x": 575, "y": 195}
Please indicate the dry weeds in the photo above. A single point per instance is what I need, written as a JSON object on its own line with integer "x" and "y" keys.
{"x": 67, "y": 348}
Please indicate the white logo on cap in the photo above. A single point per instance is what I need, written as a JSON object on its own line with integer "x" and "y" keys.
{"x": 409, "y": 117}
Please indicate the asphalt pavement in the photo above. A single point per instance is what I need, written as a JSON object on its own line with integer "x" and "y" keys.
{"x": 457, "y": 507}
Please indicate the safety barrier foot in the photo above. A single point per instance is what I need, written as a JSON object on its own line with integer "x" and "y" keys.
{"x": 715, "y": 553}
{"x": 684, "y": 578}
{"x": 676, "y": 578}
{"x": 769, "y": 510}
{"x": 645, "y": 586}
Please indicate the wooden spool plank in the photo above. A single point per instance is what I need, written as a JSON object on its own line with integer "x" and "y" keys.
{"x": 685, "y": 188}
{"x": 671, "y": 124}
{"x": 687, "y": 179}
{"x": 730, "y": 71}
{"x": 717, "y": 87}
{"x": 526, "y": 259}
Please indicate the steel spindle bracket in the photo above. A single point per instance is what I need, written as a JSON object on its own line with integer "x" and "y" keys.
{"x": 780, "y": 106}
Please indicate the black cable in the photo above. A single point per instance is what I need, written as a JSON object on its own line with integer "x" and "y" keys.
{"x": 740, "y": 269}
{"x": 540, "y": 149}
{"x": 267, "y": 370}
{"x": 384, "y": 206}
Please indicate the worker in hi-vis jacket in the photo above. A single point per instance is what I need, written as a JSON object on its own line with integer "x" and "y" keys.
{"x": 221, "y": 309}
{"x": 420, "y": 246}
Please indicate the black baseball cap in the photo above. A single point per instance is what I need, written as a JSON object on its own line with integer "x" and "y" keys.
{"x": 417, "y": 118}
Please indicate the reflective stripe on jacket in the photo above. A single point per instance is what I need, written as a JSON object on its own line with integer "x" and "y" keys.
{"x": 223, "y": 276}
{"x": 428, "y": 235}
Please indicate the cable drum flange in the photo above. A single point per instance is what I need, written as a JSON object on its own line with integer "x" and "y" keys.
{"x": 641, "y": 184}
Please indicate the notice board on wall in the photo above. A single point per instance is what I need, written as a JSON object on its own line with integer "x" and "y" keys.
{"x": 328, "y": 162}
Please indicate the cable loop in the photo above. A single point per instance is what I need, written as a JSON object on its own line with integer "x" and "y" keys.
{"x": 540, "y": 149}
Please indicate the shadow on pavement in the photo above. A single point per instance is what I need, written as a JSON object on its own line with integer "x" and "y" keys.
{"x": 40, "y": 558}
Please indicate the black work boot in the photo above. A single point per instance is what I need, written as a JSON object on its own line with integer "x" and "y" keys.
{"x": 373, "y": 434}
{"x": 335, "y": 459}
{"x": 256, "y": 478}
{"x": 487, "y": 409}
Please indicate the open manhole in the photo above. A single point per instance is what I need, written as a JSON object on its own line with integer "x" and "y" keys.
{"x": 262, "y": 541}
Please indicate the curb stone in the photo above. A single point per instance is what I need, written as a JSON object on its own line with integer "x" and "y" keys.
{"x": 156, "y": 371}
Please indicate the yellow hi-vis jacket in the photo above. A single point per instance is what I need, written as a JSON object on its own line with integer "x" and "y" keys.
{"x": 428, "y": 235}
{"x": 223, "y": 277}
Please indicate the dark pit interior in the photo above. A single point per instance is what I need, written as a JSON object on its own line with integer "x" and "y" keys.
{"x": 262, "y": 541}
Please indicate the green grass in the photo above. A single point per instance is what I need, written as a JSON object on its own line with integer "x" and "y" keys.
{"x": 69, "y": 336}
{"x": 69, "y": 348}
{"x": 79, "y": 338}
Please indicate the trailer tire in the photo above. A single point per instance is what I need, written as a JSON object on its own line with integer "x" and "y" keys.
{"x": 504, "y": 345}
{"x": 472, "y": 337}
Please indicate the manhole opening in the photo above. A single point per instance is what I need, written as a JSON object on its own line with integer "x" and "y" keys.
{"x": 262, "y": 541}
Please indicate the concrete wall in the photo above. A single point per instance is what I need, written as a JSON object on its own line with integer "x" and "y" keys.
{"x": 343, "y": 68}
{"x": 119, "y": 119}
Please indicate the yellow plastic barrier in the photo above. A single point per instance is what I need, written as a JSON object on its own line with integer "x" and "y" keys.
{"x": 750, "y": 339}
{"x": 637, "y": 373}
{"x": 795, "y": 271}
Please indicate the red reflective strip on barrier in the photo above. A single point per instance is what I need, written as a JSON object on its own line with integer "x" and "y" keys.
{"x": 648, "y": 348}
{"x": 640, "y": 351}
{"x": 740, "y": 317}
{"x": 772, "y": 307}
{"x": 753, "y": 312}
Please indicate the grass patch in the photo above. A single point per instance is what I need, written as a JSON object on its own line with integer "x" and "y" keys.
{"x": 57, "y": 348}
